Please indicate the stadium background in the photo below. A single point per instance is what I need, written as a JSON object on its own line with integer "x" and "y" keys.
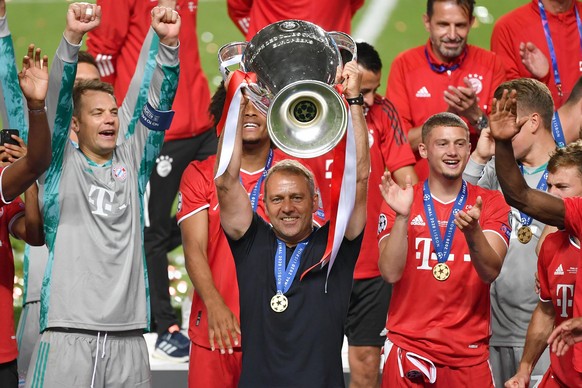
{"x": 392, "y": 26}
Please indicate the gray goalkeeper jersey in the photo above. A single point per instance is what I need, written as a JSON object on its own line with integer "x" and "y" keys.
{"x": 513, "y": 298}
{"x": 96, "y": 277}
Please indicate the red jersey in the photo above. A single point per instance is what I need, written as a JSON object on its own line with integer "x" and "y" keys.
{"x": 557, "y": 268}
{"x": 524, "y": 24}
{"x": 197, "y": 193}
{"x": 116, "y": 44}
{"x": 417, "y": 90}
{"x": 448, "y": 321}
{"x": 573, "y": 225}
{"x": 8, "y": 214}
{"x": 332, "y": 15}
{"x": 389, "y": 149}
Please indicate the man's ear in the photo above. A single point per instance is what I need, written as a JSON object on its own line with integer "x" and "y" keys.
{"x": 422, "y": 150}
{"x": 75, "y": 124}
{"x": 536, "y": 121}
{"x": 426, "y": 21}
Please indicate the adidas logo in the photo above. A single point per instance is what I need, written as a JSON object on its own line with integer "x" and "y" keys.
{"x": 423, "y": 93}
{"x": 418, "y": 221}
{"x": 559, "y": 270}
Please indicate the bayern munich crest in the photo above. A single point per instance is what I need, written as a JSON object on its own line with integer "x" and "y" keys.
{"x": 476, "y": 82}
{"x": 119, "y": 173}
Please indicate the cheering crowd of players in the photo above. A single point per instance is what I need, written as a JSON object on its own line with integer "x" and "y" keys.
{"x": 457, "y": 178}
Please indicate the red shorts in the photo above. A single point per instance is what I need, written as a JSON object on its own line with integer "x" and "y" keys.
{"x": 211, "y": 369}
{"x": 395, "y": 374}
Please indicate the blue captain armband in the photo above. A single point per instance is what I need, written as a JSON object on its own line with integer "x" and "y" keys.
{"x": 156, "y": 120}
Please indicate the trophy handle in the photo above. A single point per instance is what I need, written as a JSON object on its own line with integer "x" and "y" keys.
{"x": 345, "y": 42}
{"x": 228, "y": 55}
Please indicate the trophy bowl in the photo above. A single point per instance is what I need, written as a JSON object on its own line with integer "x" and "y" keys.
{"x": 296, "y": 65}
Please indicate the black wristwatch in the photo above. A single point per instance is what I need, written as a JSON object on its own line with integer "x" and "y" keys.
{"x": 356, "y": 101}
{"x": 482, "y": 123}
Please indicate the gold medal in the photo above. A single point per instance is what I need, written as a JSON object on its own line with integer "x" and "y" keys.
{"x": 279, "y": 303}
{"x": 441, "y": 272}
{"x": 524, "y": 234}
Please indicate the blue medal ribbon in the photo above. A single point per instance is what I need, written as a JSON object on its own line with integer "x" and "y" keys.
{"x": 553, "y": 58}
{"x": 254, "y": 195}
{"x": 442, "y": 68}
{"x": 526, "y": 220}
{"x": 284, "y": 276}
{"x": 557, "y": 131}
{"x": 442, "y": 246}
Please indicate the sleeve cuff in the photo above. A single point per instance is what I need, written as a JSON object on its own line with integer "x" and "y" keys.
{"x": 168, "y": 55}
{"x": 68, "y": 52}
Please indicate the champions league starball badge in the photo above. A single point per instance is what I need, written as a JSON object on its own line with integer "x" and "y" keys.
{"x": 279, "y": 303}
{"x": 441, "y": 272}
{"x": 524, "y": 234}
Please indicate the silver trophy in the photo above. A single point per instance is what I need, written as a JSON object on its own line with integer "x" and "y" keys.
{"x": 295, "y": 63}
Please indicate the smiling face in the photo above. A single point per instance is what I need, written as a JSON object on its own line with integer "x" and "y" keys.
{"x": 96, "y": 124}
{"x": 290, "y": 206}
{"x": 447, "y": 150}
{"x": 254, "y": 126}
{"x": 448, "y": 28}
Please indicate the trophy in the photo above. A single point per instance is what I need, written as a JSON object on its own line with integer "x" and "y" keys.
{"x": 295, "y": 63}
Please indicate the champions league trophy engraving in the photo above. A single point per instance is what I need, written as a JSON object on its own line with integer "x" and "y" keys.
{"x": 295, "y": 63}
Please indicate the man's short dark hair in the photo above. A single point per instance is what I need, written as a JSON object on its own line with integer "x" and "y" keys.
{"x": 85, "y": 86}
{"x": 292, "y": 167}
{"x": 217, "y": 103}
{"x": 368, "y": 57}
{"x": 467, "y": 5}
{"x": 569, "y": 156}
{"x": 532, "y": 97}
{"x": 86, "y": 57}
{"x": 444, "y": 119}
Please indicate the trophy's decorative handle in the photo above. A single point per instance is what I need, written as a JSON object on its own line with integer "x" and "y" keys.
{"x": 228, "y": 55}
{"x": 345, "y": 42}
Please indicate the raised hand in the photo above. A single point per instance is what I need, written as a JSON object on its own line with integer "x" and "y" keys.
{"x": 352, "y": 80}
{"x": 463, "y": 101}
{"x": 81, "y": 18}
{"x": 485, "y": 148}
{"x": 399, "y": 199}
{"x": 566, "y": 335}
{"x": 166, "y": 22}
{"x": 534, "y": 60}
{"x": 503, "y": 119}
{"x": 34, "y": 78}
{"x": 468, "y": 222}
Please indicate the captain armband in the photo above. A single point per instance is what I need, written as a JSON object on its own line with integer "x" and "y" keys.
{"x": 156, "y": 120}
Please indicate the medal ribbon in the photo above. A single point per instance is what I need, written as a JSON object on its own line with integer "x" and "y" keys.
{"x": 546, "y": 27}
{"x": 526, "y": 220}
{"x": 283, "y": 284}
{"x": 442, "y": 246}
{"x": 254, "y": 194}
{"x": 442, "y": 68}
{"x": 229, "y": 120}
{"x": 557, "y": 131}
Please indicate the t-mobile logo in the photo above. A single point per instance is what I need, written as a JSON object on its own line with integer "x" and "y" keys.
{"x": 101, "y": 199}
{"x": 565, "y": 294}
{"x": 425, "y": 252}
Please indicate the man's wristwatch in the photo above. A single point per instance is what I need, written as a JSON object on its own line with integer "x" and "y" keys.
{"x": 356, "y": 101}
{"x": 482, "y": 123}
